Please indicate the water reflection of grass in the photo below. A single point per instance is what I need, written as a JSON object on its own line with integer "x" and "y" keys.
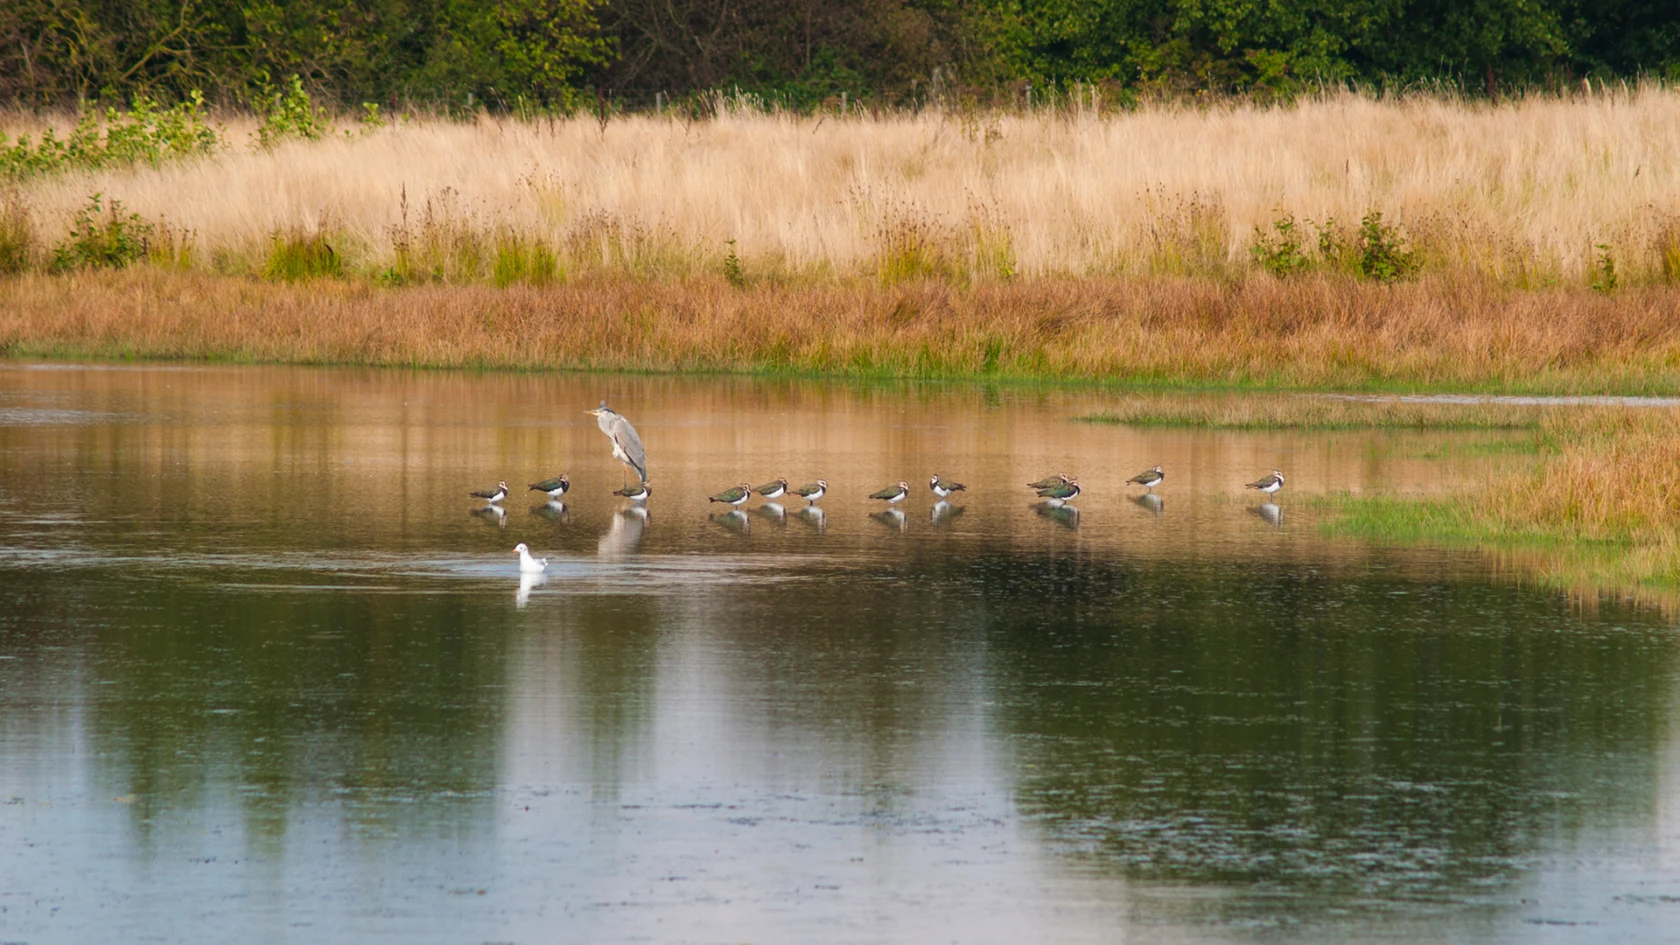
{"x": 1307, "y": 412}
{"x": 1598, "y": 509}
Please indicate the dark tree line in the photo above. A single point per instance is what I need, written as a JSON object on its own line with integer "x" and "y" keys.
{"x": 504, "y": 53}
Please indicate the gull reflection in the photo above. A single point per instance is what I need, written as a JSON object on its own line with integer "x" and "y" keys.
{"x": 1064, "y": 515}
{"x": 814, "y": 516}
{"x": 773, "y": 511}
{"x": 1150, "y": 502}
{"x": 735, "y": 520}
{"x": 528, "y": 580}
{"x": 554, "y": 510}
{"x": 944, "y": 512}
{"x": 1271, "y": 513}
{"x": 624, "y": 532}
{"x": 892, "y": 518}
{"x": 491, "y": 515}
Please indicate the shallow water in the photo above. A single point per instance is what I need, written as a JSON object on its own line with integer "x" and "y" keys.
{"x": 265, "y": 668}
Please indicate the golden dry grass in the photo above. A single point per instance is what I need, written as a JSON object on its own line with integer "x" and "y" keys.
{"x": 1519, "y": 192}
{"x": 1315, "y": 332}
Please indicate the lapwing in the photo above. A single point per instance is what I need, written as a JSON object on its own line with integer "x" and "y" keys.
{"x": 735, "y": 520}
{"x": 774, "y": 489}
{"x": 1060, "y": 493}
{"x": 491, "y": 496}
{"x": 1150, "y": 478}
{"x": 943, "y": 512}
{"x": 733, "y": 496}
{"x": 555, "y": 487}
{"x": 891, "y": 517}
{"x": 636, "y": 493}
{"x": 528, "y": 564}
{"x": 1049, "y": 481}
{"x": 892, "y": 494}
{"x": 811, "y": 491}
{"x": 943, "y": 487}
{"x": 1268, "y": 484}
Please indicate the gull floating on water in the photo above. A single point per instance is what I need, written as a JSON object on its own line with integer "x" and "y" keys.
{"x": 528, "y": 564}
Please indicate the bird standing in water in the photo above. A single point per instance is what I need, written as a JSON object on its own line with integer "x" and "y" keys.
{"x": 555, "y": 487}
{"x": 733, "y": 496}
{"x": 1149, "y": 479}
{"x": 1049, "y": 481}
{"x": 1061, "y": 493}
{"x": 626, "y": 442}
{"x": 774, "y": 489}
{"x": 811, "y": 491}
{"x": 491, "y": 496}
{"x": 636, "y": 493}
{"x": 1268, "y": 484}
{"x": 892, "y": 493}
{"x": 943, "y": 487}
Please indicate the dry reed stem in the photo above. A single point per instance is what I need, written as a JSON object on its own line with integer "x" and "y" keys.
{"x": 1314, "y": 332}
{"x": 1518, "y": 192}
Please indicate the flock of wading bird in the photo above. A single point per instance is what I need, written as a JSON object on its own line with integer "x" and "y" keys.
{"x": 1054, "y": 492}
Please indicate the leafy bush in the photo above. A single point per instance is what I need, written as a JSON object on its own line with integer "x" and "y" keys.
{"x": 101, "y": 238}
{"x": 1279, "y": 252}
{"x": 1382, "y": 252}
{"x": 289, "y": 113}
{"x": 148, "y": 134}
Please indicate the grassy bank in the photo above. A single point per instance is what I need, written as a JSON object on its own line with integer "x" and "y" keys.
{"x": 1317, "y": 332}
{"x": 1597, "y": 512}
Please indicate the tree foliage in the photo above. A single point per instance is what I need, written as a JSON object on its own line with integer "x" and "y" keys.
{"x": 545, "y": 52}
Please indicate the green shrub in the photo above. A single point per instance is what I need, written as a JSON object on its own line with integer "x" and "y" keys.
{"x": 732, "y": 268}
{"x": 148, "y": 134}
{"x": 17, "y": 234}
{"x": 1279, "y": 252}
{"x": 102, "y": 238}
{"x": 1382, "y": 251}
{"x": 296, "y": 256}
{"x": 288, "y": 113}
{"x": 1604, "y": 279}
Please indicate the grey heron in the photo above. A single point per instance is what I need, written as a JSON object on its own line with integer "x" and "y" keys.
{"x": 627, "y": 444}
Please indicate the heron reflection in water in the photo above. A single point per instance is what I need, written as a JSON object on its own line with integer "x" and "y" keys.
{"x": 892, "y": 518}
{"x": 1150, "y": 502}
{"x": 624, "y": 532}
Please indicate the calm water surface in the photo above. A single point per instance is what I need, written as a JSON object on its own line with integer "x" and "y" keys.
{"x": 266, "y": 673}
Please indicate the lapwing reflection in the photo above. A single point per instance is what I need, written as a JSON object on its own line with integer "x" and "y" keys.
{"x": 1271, "y": 513}
{"x": 491, "y": 515}
{"x": 527, "y": 581}
{"x": 624, "y": 532}
{"x": 1062, "y": 514}
{"x": 814, "y": 516}
{"x": 735, "y": 520}
{"x": 1150, "y": 502}
{"x": 943, "y": 513}
{"x": 892, "y": 518}
{"x": 772, "y": 511}
{"x": 554, "y": 510}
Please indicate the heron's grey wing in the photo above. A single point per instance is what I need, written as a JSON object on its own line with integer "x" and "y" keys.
{"x": 630, "y": 442}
